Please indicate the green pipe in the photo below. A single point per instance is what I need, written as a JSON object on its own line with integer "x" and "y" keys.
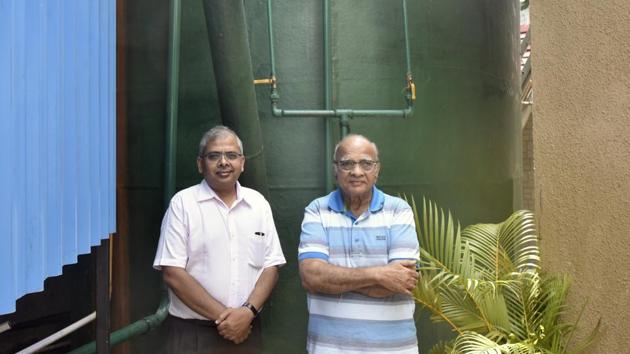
{"x": 142, "y": 326}
{"x": 272, "y": 58}
{"x": 328, "y": 112}
{"x": 349, "y": 113}
{"x": 274, "y": 91}
{"x": 406, "y": 31}
{"x": 172, "y": 101}
{"x": 409, "y": 92}
{"x": 327, "y": 96}
{"x": 344, "y": 125}
{"x": 229, "y": 46}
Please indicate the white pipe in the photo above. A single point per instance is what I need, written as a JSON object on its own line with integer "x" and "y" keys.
{"x": 56, "y": 336}
{"x": 5, "y": 326}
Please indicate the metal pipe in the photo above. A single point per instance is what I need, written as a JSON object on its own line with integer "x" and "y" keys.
{"x": 274, "y": 93}
{"x": 5, "y": 326}
{"x": 60, "y": 334}
{"x": 272, "y": 58}
{"x": 139, "y": 327}
{"x": 350, "y": 113}
{"x": 172, "y": 103}
{"x": 344, "y": 125}
{"x": 406, "y": 32}
{"x": 337, "y": 113}
{"x": 328, "y": 112}
{"x": 231, "y": 57}
{"x": 327, "y": 96}
{"x": 410, "y": 94}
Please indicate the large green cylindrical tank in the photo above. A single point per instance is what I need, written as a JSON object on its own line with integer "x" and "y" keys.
{"x": 460, "y": 147}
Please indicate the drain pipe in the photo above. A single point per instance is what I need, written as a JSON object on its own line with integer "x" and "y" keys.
{"x": 229, "y": 46}
{"x": 327, "y": 94}
{"x": 58, "y": 335}
{"x": 139, "y": 327}
{"x": 172, "y": 104}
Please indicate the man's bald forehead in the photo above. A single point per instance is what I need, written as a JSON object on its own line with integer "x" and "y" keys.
{"x": 354, "y": 140}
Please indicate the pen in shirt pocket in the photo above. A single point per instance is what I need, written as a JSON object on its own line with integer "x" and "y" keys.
{"x": 258, "y": 233}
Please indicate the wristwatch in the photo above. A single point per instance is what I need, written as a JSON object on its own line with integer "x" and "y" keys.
{"x": 251, "y": 307}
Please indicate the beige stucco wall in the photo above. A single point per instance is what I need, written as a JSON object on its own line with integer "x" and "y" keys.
{"x": 581, "y": 63}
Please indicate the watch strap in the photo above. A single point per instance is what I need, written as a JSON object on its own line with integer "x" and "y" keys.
{"x": 251, "y": 307}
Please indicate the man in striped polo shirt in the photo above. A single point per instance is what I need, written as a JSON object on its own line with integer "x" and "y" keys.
{"x": 358, "y": 251}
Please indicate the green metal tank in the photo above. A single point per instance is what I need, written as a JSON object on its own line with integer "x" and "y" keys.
{"x": 460, "y": 147}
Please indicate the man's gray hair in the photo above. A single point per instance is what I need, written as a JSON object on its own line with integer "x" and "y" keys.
{"x": 349, "y": 136}
{"x": 215, "y": 133}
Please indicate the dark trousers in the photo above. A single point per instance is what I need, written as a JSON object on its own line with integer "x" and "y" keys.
{"x": 201, "y": 337}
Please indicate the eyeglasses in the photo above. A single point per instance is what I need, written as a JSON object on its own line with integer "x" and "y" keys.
{"x": 216, "y": 155}
{"x": 348, "y": 165}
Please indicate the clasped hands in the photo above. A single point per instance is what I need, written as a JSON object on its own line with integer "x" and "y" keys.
{"x": 399, "y": 277}
{"x": 235, "y": 324}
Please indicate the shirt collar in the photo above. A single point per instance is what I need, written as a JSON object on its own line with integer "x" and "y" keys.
{"x": 205, "y": 192}
{"x": 336, "y": 201}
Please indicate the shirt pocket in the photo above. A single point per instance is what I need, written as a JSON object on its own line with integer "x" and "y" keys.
{"x": 256, "y": 250}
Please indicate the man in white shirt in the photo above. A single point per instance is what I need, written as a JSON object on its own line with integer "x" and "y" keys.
{"x": 219, "y": 254}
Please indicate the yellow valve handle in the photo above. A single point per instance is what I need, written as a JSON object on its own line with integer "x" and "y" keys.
{"x": 413, "y": 91}
{"x": 263, "y": 82}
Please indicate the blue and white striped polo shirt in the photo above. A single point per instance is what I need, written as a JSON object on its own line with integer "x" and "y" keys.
{"x": 351, "y": 322}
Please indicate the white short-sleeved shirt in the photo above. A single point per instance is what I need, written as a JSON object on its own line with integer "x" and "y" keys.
{"x": 224, "y": 249}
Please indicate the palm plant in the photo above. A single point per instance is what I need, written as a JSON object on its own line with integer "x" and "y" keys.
{"x": 485, "y": 281}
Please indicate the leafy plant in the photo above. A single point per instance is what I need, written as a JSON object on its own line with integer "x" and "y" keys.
{"x": 485, "y": 282}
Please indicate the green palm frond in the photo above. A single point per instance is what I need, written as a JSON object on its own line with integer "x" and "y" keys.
{"x": 586, "y": 342}
{"x": 504, "y": 248}
{"x": 474, "y": 343}
{"x": 441, "y": 348}
{"x": 495, "y": 310}
{"x": 463, "y": 311}
{"x": 555, "y": 292}
{"x": 440, "y": 240}
{"x": 519, "y": 239}
{"x": 484, "y": 282}
{"x": 447, "y": 271}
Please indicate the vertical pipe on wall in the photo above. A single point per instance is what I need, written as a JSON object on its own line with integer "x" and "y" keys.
{"x": 327, "y": 95}
{"x": 406, "y": 33}
{"x": 229, "y": 46}
{"x": 172, "y": 100}
{"x": 272, "y": 57}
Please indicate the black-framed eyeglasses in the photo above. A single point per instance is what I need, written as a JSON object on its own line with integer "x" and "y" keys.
{"x": 216, "y": 155}
{"x": 348, "y": 165}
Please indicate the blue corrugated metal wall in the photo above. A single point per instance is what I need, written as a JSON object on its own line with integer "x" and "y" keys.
{"x": 57, "y": 137}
